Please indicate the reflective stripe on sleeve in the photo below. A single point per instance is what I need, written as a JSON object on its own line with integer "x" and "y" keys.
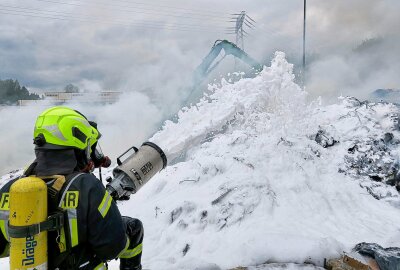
{"x": 130, "y": 253}
{"x": 105, "y": 204}
{"x": 126, "y": 246}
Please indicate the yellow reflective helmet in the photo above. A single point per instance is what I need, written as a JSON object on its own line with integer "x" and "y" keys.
{"x": 63, "y": 127}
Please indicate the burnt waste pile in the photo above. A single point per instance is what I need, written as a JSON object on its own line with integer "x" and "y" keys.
{"x": 373, "y": 157}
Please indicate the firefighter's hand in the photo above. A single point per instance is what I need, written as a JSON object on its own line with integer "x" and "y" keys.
{"x": 104, "y": 162}
{"x": 124, "y": 198}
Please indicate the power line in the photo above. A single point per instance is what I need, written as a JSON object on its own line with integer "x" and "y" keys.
{"x": 192, "y": 11}
{"x": 69, "y": 18}
{"x": 24, "y": 10}
{"x": 134, "y": 10}
{"x": 95, "y": 21}
{"x": 275, "y": 32}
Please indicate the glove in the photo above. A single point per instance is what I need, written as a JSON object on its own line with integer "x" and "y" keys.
{"x": 104, "y": 162}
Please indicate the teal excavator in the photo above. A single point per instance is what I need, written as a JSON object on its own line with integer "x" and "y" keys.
{"x": 229, "y": 49}
{"x": 209, "y": 63}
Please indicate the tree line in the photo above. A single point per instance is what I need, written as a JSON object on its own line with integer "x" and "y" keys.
{"x": 11, "y": 91}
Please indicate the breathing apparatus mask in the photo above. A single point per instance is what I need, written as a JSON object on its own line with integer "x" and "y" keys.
{"x": 95, "y": 153}
{"x": 97, "y": 156}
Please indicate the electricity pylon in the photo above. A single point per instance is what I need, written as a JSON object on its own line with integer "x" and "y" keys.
{"x": 241, "y": 20}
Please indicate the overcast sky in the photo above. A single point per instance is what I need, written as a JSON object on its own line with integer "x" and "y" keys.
{"x": 137, "y": 44}
{"x": 151, "y": 48}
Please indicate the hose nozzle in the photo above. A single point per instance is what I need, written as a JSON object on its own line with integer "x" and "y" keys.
{"x": 136, "y": 170}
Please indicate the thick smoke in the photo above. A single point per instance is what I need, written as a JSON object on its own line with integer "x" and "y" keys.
{"x": 354, "y": 46}
{"x": 16, "y": 127}
{"x": 352, "y": 49}
{"x": 159, "y": 62}
{"x": 130, "y": 121}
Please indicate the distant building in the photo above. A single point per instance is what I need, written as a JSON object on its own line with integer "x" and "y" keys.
{"x": 58, "y": 98}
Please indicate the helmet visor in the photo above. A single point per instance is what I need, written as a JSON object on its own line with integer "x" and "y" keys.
{"x": 88, "y": 150}
{"x": 94, "y": 125}
{"x": 97, "y": 152}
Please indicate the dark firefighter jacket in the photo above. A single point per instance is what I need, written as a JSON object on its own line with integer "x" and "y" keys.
{"x": 93, "y": 232}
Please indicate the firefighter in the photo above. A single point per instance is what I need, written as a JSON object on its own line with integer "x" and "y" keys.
{"x": 94, "y": 232}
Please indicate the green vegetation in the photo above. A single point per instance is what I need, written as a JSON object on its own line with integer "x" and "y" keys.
{"x": 70, "y": 88}
{"x": 11, "y": 92}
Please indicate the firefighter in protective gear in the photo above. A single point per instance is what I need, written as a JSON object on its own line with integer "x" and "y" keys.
{"x": 94, "y": 231}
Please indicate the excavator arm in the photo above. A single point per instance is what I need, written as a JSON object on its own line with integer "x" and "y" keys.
{"x": 230, "y": 49}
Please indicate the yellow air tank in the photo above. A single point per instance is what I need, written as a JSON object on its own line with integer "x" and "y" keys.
{"x": 28, "y": 206}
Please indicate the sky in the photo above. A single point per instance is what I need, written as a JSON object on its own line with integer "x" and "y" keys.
{"x": 152, "y": 45}
{"x": 149, "y": 50}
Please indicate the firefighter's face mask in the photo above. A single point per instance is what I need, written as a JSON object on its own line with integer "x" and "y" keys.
{"x": 98, "y": 158}
{"x": 93, "y": 156}
{"x": 97, "y": 152}
{"x": 94, "y": 152}
{"x": 88, "y": 151}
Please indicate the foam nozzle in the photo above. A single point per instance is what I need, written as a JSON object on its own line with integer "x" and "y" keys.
{"x": 138, "y": 167}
